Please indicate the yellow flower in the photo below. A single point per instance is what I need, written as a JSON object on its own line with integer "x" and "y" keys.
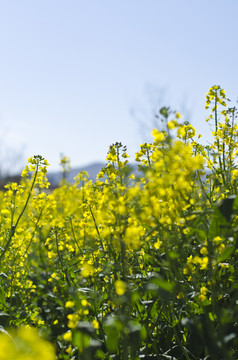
{"x": 133, "y": 234}
{"x": 157, "y": 244}
{"x": 178, "y": 115}
{"x": 221, "y": 248}
{"x": 87, "y": 270}
{"x": 95, "y": 324}
{"x": 68, "y": 336}
{"x": 25, "y": 344}
{"x": 84, "y": 302}
{"x": 204, "y": 290}
{"x": 172, "y": 124}
{"x": 25, "y": 172}
{"x": 120, "y": 287}
{"x": 40, "y": 322}
{"x": 69, "y": 304}
{"x": 217, "y": 239}
{"x": 69, "y": 349}
{"x": 202, "y": 297}
{"x": 158, "y": 135}
{"x": 180, "y": 295}
{"x": 73, "y": 320}
{"x": 204, "y": 263}
{"x": 203, "y": 250}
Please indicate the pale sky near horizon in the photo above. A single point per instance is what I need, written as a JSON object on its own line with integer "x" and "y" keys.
{"x": 77, "y": 76}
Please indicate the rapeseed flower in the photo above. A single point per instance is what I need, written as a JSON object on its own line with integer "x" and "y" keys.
{"x": 120, "y": 287}
{"x": 25, "y": 344}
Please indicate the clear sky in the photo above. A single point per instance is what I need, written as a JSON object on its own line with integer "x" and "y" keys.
{"x": 78, "y": 75}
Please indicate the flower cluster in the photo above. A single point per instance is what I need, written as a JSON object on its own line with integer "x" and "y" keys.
{"x": 137, "y": 264}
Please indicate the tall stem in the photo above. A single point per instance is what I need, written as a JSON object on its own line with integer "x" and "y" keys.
{"x": 218, "y": 142}
{"x": 95, "y": 223}
{"x": 14, "y": 227}
{"x": 61, "y": 260}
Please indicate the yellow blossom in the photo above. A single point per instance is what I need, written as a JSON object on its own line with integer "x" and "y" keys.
{"x": 120, "y": 287}
{"x": 84, "y": 302}
{"x": 95, "y": 324}
{"x": 69, "y": 304}
{"x": 68, "y": 336}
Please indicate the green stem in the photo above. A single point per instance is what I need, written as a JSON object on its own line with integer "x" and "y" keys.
{"x": 73, "y": 232}
{"x": 14, "y": 227}
{"x": 36, "y": 227}
{"x": 202, "y": 187}
{"x": 94, "y": 220}
{"x": 61, "y": 260}
{"x": 218, "y": 142}
{"x": 177, "y": 337}
{"x": 180, "y": 344}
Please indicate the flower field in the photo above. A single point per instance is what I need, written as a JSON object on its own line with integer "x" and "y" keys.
{"x": 133, "y": 266}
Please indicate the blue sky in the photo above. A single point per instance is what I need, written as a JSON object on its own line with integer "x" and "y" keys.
{"x": 76, "y": 76}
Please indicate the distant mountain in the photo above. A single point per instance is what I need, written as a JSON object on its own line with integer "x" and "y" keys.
{"x": 54, "y": 177}
{"x": 92, "y": 170}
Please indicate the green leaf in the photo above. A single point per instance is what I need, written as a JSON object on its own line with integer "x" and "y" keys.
{"x": 218, "y": 221}
{"x": 2, "y": 296}
{"x": 80, "y": 339}
{"x": 226, "y": 254}
{"x": 163, "y": 284}
{"x": 113, "y": 328}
